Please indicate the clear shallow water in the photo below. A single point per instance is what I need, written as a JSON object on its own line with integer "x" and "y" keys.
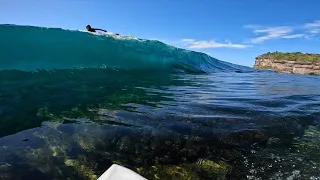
{"x": 76, "y": 123}
{"x": 74, "y": 103}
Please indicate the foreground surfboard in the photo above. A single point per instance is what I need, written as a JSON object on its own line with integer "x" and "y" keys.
{"x": 117, "y": 172}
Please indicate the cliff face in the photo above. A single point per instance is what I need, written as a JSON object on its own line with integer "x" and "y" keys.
{"x": 287, "y": 66}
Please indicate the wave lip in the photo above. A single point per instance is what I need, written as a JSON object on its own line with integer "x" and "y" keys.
{"x": 30, "y": 48}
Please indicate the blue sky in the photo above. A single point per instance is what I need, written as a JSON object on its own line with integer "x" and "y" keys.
{"x": 231, "y": 30}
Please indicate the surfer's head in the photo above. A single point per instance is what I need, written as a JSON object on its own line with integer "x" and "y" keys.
{"x": 88, "y": 27}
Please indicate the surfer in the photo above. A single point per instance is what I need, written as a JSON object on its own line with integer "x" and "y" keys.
{"x": 90, "y": 29}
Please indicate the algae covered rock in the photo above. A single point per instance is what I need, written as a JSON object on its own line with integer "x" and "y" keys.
{"x": 245, "y": 138}
{"x": 216, "y": 170}
{"x": 201, "y": 169}
{"x": 167, "y": 172}
{"x": 81, "y": 169}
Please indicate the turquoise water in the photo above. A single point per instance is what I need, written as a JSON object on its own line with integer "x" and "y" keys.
{"x": 73, "y": 103}
{"x": 62, "y": 49}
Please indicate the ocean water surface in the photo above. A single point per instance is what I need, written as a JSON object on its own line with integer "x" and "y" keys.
{"x": 74, "y": 103}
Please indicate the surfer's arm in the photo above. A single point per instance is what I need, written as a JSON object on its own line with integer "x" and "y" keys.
{"x": 99, "y": 30}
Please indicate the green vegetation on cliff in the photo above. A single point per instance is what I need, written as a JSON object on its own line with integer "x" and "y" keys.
{"x": 295, "y": 56}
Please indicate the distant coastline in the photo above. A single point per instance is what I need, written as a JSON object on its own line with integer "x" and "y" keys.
{"x": 296, "y": 63}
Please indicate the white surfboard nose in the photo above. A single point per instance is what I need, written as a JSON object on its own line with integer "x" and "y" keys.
{"x": 117, "y": 172}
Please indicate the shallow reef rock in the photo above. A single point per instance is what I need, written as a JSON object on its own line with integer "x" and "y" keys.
{"x": 202, "y": 169}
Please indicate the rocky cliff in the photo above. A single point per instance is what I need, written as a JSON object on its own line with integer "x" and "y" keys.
{"x": 288, "y": 65}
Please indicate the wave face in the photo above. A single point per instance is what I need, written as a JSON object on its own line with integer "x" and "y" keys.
{"x": 30, "y": 48}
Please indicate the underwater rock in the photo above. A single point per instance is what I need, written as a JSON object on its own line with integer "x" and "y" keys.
{"x": 309, "y": 143}
{"x": 201, "y": 169}
{"x": 81, "y": 169}
{"x": 219, "y": 169}
{"x": 4, "y": 166}
{"x": 245, "y": 138}
{"x": 167, "y": 172}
